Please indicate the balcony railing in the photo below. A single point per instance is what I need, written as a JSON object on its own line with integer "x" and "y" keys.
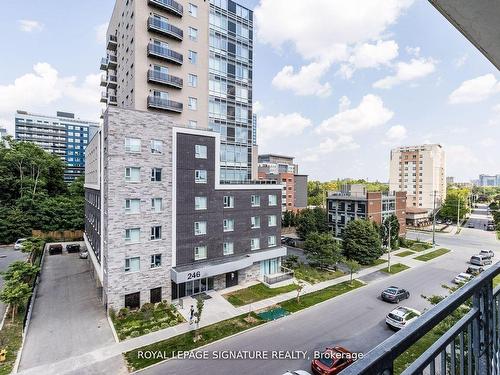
{"x": 285, "y": 274}
{"x": 112, "y": 42}
{"x": 104, "y": 64}
{"x": 164, "y": 78}
{"x": 165, "y": 28}
{"x": 160, "y": 103}
{"x": 112, "y": 100}
{"x": 164, "y": 53}
{"x": 112, "y": 61}
{"x": 111, "y": 81}
{"x": 104, "y": 97}
{"x": 169, "y": 5}
{"x": 470, "y": 346}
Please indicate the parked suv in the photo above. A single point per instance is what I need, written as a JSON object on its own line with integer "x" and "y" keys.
{"x": 55, "y": 249}
{"x": 73, "y": 248}
{"x": 394, "y": 294}
{"x": 480, "y": 260}
{"x": 487, "y": 253}
{"x": 474, "y": 270}
{"x": 401, "y": 316}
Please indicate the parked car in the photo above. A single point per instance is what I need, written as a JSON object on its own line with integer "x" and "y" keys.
{"x": 55, "y": 249}
{"x": 401, "y": 317}
{"x": 290, "y": 242}
{"x": 480, "y": 260}
{"x": 490, "y": 227}
{"x": 84, "y": 254}
{"x": 297, "y": 372}
{"x": 470, "y": 225}
{"x": 394, "y": 294}
{"x": 462, "y": 278}
{"x": 449, "y": 222}
{"x": 73, "y": 248}
{"x": 332, "y": 361}
{"x": 19, "y": 244}
{"x": 439, "y": 221}
{"x": 487, "y": 253}
{"x": 474, "y": 270}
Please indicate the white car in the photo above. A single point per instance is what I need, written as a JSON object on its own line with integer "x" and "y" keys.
{"x": 297, "y": 372}
{"x": 462, "y": 278}
{"x": 19, "y": 244}
{"x": 401, "y": 316}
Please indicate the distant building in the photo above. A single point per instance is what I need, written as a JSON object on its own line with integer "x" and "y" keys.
{"x": 489, "y": 180}
{"x": 355, "y": 202}
{"x": 3, "y": 133}
{"x": 62, "y": 135}
{"x": 450, "y": 180}
{"x": 282, "y": 169}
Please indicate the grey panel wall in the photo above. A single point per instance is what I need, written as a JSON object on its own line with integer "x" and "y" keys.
{"x": 300, "y": 191}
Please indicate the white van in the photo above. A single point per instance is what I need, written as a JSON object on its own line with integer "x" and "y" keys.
{"x": 480, "y": 260}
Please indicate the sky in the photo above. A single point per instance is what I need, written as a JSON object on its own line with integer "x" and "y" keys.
{"x": 337, "y": 83}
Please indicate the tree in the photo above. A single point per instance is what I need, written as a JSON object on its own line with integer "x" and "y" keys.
{"x": 321, "y": 219}
{"x": 393, "y": 223}
{"x": 322, "y": 250}
{"x": 16, "y": 295}
{"x": 352, "y": 266}
{"x": 20, "y": 271}
{"x": 33, "y": 246}
{"x": 298, "y": 288}
{"x": 200, "y": 303}
{"x": 456, "y": 202}
{"x": 310, "y": 221}
{"x": 361, "y": 242}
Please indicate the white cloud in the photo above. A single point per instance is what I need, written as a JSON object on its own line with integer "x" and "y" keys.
{"x": 496, "y": 108}
{"x": 407, "y": 71}
{"x": 330, "y": 145}
{"x": 460, "y": 61}
{"x": 370, "y": 113}
{"x": 304, "y": 82}
{"x": 282, "y": 125}
{"x": 413, "y": 51}
{"x": 29, "y": 26}
{"x": 396, "y": 134}
{"x": 475, "y": 90}
{"x": 257, "y": 107}
{"x": 100, "y": 32}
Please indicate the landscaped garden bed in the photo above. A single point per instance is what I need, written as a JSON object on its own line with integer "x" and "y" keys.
{"x": 395, "y": 268}
{"x": 432, "y": 255}
{"x": 405, "y": 253}
{"x": 255, "y": 293}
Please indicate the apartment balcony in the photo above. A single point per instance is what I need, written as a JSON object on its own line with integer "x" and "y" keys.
{"x": 112, "y": 43}
{"x": 165, "y": 104}
{"x": 112, "y": 100}
{"x": 104, "y": 80}
{"x": 471, "y": 345}
{"x": 112, "y": 61}
{"x": 164, "y": 79}
{"x": 109, "y": 80}
{"x": 164, "y": 53}
{"x": 104, "y": 97}
{"x": 164, "y": 28}
{"x": 170, "y": 6}
{"x": 104, "y": 64}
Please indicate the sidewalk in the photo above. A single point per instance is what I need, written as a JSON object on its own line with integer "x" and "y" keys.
{"x": 216, "y": 309}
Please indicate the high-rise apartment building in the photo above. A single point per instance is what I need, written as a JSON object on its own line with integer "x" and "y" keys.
{"x": 420, "y": 171}
{"x": 191, "y": 59}
{"x": 63, "y": 135}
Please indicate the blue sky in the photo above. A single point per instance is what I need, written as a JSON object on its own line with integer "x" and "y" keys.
{"x": 337, "y": 83}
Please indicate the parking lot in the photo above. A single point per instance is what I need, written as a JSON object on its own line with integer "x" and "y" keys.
{"x": 68, "y": 319}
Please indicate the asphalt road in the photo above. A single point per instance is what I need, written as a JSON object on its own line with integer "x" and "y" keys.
{"x": 7, "y": 256}
{"x": 355, "y": 320}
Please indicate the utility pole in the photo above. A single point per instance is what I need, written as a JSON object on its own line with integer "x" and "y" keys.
{"x": 434, "y": 220}
{"x": 458, "y": 214}
{"x": 389, "y": 248}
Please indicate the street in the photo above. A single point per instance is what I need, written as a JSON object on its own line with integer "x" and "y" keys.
{"x": 7, "y": 256}
{"x": 355, "y": 320}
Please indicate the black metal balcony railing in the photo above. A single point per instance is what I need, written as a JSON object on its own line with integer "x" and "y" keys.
{"x": 160, "y": 103}
{"x": 164, "y": 27}
{"x": 112, "y": 60}
{"x": 169, "y": 5}
{"x": 104, "y": 63}
{"x": 470, "y": 346}
{"x": 112, "y": 42}
{"x": 164, "y": 53}
{"x": 284, "y": 274}
{"x": 112, "y": 100}
{"x": 164, "y": 78}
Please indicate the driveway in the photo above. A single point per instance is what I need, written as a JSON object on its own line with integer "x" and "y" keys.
{"x": 68, "y": 319}
{"x": 7, "y": 256}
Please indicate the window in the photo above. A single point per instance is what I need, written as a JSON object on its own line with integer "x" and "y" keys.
{"x": 193, "y": 33}
{"x": 156, "y": 146}
{"x": 271, "y": 221}
{"x": 133, "y": 174}
{"x": 200, "y": 152}
{"x": 192, "y": 80}
{"x": 132, "y": 206}
{"x": 155, "y": 295}
{"x": 228, "y": 248}
{"x": 133, "y": 300}
{"x": 200, "y": 252}
{"x": 255, "y": 200}
{"x": 200, "y": 176}
{"x": 200, "y": 228}
{"x": 193, "y": 10}
{"x": 271, "y": 241}
{"x": 273, "y": 200}
{"x": 228, "y": 201}
{"x": 156, "y": 204}
{"x": 255, "y": 244}
{"x": 132, "y": 145}
{"x": 155, "y": 261}
{"x": 193, "y": 124}
{"x": 192, "y": 103}
{"x": 155, "y": 174}
{"x": 255, "y": 222}
{"x": 132, "y": 264}
{"x": 156, "y": 233}
{"x": 193, "y": 57}
{"x": 132, "y": 235}
{"x": 200, "y": 203}
{"x": 228, "y": 225}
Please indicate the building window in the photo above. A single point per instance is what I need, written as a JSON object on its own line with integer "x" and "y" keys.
{"x": 193, "y": 124}
{"x": 228, "y": 225}
{"x": 200, "y": 252}
{"x": 200, "y": 176}
{"x": 271, "y": 241}
{"x": 193, "y": 10}
{"x": 132, "y": 206}
{"x": 193, "y": 33}
{"x": 133, "y": 300}
{"x": 155, "y": 295}
{"x": 132, "y": 235}
{"x": 192, "y": 103}
{"x": 273, "y": 200}
{"x": 228, "y": 248}
{"x": 155, "y": 174}
{"x": 200, "y": 152}
{"x": 155, "y": 261}
{"x": 255, "y": 222}
{"x": 132, "y": 264}
{"x": 228, "y": 201}
{"x": 200, "y": 203}
{"x": 192, "y": 80}
{"x": 156, "y": 146}
{"x": 193, "y": 57}
{"x": 200, "y": 228}
{"x": 271, "y": 221}
{"x": 156, "y": 233}
{"x": 255, "y": 244}
{"x": 133, "y": 145}
{"x": 156, "y": 204}
{"x": 255, "y": 200}
{"x": 132, "y": 174}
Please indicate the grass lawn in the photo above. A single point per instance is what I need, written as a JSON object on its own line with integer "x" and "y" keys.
{"x": 405, "y": 253}
{"x": 255, "y": 293}
{"x": 313, "y": 298}
{"x": 395, "y": 268}
{"x": 150, "y": 318}
{"x": 496, "y": 281}
{"x": 185, "y": 341}
{"x": 11, "y": 337}
{"x": 315, "y": 275}
{"x": 420, "y": 246}
{"x": 432, "y": 255}
{"x": 377, "y": 262}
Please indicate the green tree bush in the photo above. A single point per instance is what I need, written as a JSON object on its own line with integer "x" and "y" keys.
{"x": 361, "y": 242}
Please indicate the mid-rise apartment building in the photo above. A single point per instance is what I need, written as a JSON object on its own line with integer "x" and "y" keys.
{"x": 3, "y": 133}
{"x": 489, "y": 180}
{"x": 159, "y": 223}
{"x": 63, "y": 135}
{"x": 420, "y": 171}
{"x": 355, "y": 202}
{"x": 191, "y": 59}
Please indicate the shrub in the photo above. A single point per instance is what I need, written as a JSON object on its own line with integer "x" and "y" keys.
{"x": 123, "y": 313}
{"x": 112, "y": 314}
{"x": 164, "y": 325}
{"x": 155, "y": 328}
{"x": 147, "y": 330}
{"x": 135, "y": 334}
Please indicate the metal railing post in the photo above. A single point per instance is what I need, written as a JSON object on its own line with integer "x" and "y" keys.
{"x": 482, "y": 329}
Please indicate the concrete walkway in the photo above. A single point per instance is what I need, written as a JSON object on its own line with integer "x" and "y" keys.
{"x": 216, "y": 309}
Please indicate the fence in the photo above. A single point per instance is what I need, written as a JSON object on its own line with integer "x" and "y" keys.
{"x": 59, "y": 235}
